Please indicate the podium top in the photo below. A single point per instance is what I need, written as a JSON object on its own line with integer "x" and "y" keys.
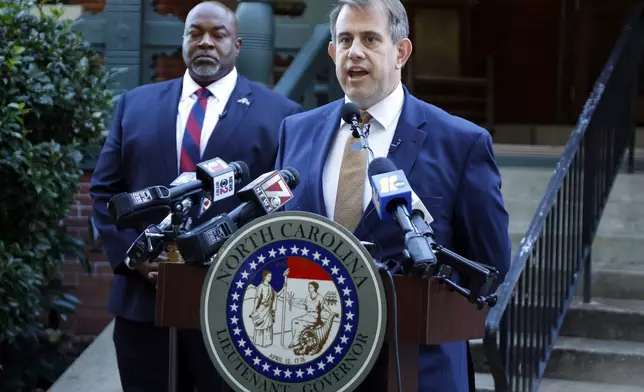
{"x": 428, "y": 312}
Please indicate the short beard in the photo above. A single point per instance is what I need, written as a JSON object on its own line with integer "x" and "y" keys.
{"x": 204, "y": 72}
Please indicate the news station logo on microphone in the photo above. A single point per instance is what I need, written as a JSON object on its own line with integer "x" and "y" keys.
{"x": 270, "y": 189}
{"x": 293, "y": 301}
{"x": 223, "y": 178}
{"x": 141, "y": 197}
{"x": 224, "y": 184}
{"x": 276, "y": 192}
{"x": 389, "y": 186}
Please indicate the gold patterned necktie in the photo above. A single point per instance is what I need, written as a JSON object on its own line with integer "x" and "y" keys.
{"x": 350, "y": 195}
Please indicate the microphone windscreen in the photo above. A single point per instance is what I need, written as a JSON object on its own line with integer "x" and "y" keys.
{"x": 348, "y": 111}
{"x": 244, "y": 171}
{"x": 119, "y": 205}
{"x": 381, "y": 165}
{"x": 295, "y": 181}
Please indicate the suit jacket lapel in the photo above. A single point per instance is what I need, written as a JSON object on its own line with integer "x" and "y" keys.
{"x": 412, "y": 136}
{"x": 235, "y": 110}
{"x": 166, "y": 125}
{"x": 323, "y": 136}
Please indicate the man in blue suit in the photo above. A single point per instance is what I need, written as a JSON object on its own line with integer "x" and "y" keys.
{"x": 448, "y": 161}
{"x": 159, "y": 131}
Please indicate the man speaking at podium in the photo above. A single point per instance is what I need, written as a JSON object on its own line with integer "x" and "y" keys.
{"x": 163, "y": 129}
{"x": 447, "y": 160}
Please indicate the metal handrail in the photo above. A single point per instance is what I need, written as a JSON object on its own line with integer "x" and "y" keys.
{"x": 522, "y": 328}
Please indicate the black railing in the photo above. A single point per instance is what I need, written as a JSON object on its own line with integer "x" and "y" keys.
{"x": 522, "y": 328}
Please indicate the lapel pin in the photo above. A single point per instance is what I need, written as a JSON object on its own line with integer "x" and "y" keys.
{"x": 243, "y": 101}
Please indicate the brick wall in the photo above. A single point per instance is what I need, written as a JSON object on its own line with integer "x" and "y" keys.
{"x": 91, "y": 288}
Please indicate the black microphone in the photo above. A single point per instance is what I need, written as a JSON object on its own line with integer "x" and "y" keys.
{"x": 218, "y": 178}
{"x": 214, "y": 177}
{"x": 264, "y": 195}
{"x": 392, "y": 198}
{"x": 350, "y": 113}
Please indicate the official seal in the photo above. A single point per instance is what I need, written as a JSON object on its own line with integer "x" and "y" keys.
{"x": 293, "y": 302}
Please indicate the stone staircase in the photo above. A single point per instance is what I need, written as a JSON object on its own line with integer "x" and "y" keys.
{"x": 601, "y": 344}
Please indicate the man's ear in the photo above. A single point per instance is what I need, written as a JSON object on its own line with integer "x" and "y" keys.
{"x": 404, "y": 51}
{"x": 331, "y": 50}
{"x": 238, "y": 45}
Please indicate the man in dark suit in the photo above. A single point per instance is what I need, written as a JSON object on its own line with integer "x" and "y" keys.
{"x": 448, "y": 161}
{"x": 159, "y": 131}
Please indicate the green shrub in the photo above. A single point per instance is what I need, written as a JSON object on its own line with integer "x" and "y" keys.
{"x": 54, "y": 104}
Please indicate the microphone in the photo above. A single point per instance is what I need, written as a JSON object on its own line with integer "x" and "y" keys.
{"x": 392, "y": 197}
{"x": 219, "y": 178}
{"x": 350, "y": 113}
{"x": 264, "y": 195}
{"x": 150, "y": 205}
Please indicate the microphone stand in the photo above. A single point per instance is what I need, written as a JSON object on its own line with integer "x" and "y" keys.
{"x": 481, "y": 277}
{"x": 179, "y": 223}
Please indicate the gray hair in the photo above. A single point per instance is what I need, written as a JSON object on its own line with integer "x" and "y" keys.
{"x": 395, "y": 11}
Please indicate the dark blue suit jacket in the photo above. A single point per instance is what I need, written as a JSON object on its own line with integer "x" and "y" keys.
{"x": 141, "y": 151}
{"x": 450, "y": 164}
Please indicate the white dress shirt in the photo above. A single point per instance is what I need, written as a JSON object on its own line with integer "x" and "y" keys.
{"x": 220, "y": 90}
{"x": 385, "y": 115}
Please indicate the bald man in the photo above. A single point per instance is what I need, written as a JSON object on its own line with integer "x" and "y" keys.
{"x": 150, "y": 143}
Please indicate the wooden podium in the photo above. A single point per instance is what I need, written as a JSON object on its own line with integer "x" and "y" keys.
{"x": 428, "y": 313}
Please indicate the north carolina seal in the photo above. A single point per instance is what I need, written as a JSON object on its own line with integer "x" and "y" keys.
{"x": 293, "y": 302}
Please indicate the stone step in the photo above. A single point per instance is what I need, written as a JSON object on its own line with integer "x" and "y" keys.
{"x": 609, "y": 361}
{"x": 534, "y": 150}
{"x": 618, "y": 251}
{"x": 618, "y": 217}
{"x": 485, "y": 383}
{"x": 583, "y": 359}
{"x": 616, "y": 283}
{"x": 606, "y": 319}
{"x": 538, "y": 136}
{"x": 521, "y": 155}
{"x": 520, "y": 183}
{"x": 526, "y": 184}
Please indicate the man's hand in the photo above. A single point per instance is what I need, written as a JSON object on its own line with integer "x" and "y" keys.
{"x": 149, "y": 270}
{"x": 153, "y": 275}
{"x": 162, "y": 257}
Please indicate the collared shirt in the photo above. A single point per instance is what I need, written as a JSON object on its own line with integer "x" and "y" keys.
{"x": 385, "y": 115}
{"x": 220, "y": 90}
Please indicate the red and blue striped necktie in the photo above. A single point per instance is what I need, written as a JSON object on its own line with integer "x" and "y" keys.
{"x": 190, "y": 146}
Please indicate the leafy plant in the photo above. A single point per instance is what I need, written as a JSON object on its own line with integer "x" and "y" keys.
{"x": 54, "y": 104}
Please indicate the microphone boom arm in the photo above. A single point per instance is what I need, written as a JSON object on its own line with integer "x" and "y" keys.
{"x": 156, "y": 236}
{"x": 481, "y": 277}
